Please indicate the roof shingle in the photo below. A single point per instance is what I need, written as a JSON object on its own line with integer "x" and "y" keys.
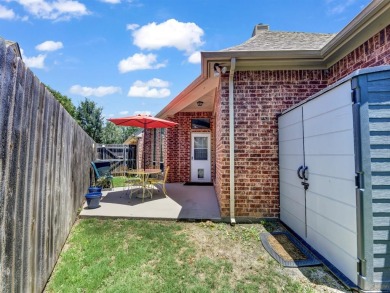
{"x": 265, "y": 40}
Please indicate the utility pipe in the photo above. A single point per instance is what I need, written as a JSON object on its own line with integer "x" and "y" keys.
{"x": 231, "y": 139}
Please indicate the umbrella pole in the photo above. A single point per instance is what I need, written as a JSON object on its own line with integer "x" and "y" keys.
{"x": 144, "y": 144}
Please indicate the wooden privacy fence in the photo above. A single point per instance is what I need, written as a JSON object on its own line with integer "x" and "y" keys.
{"x": 44, "y": 173}
{"x": 120, "y": 156}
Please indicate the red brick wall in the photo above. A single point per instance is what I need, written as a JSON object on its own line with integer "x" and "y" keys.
{"x": 149, "y": 146}
{"x": 145, "y": 151}
{"x": 259, "y": 97}
{"x": 222, "y": 189}
{"x": 374, "y": 52}
{"x": 155, "y": 146}
{"x": 140, "y": 145}
{"x": 178, "y": 157}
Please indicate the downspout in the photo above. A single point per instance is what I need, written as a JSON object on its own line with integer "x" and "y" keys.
{"x": 231, "y": 139}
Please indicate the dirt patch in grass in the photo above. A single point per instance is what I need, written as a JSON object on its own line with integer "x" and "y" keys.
{"x": 285, "y": 248}
{"x": 241, "y": 245}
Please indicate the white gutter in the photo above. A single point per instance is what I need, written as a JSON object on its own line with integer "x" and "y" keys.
{"x": 231, "y": 139}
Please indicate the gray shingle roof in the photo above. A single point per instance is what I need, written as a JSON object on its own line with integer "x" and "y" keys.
{"x": 283, "y": 41}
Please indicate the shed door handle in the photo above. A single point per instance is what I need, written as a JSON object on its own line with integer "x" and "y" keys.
{"x": 299, "y": 172}
{"x": 304, "y": 173}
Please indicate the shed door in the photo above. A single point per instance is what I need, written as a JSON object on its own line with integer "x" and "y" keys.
{"x": 331, "y": 196}
{"x": 292, "y": 193}
{"x": 319, "y": 135}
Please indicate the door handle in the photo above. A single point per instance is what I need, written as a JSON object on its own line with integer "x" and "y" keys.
{"x": 299, "y": 172}
{"x": 304, "y": 173}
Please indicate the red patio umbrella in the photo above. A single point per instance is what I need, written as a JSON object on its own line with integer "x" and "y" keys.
{"x": 143, "y": 121}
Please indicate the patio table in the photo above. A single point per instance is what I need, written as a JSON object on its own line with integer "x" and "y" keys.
{"x": 144, "y": 176}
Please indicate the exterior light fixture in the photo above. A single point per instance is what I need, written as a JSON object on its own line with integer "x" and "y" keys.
{"x": 199, "y": 103}
{"x": 218, "y": 69}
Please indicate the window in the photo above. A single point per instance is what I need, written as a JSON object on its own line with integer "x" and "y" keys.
{"x": 200, "y": 148}
{"x": 200, "y": 123}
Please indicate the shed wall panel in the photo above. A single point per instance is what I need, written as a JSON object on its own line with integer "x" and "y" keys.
{"x": 374, "y": 126}
{"x": 292, "y": 197}
{"x": 379, "y": 112}
{"x": 329, "y": 155}
{"x": 338, "y": 189}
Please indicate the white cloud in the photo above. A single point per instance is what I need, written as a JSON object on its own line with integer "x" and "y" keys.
{"x": 6, "y": 13}
{"x": 108, "y": 115}
{"x": 34, "y": 62}
{"x": 139, "y": 61}
{"x": 171, "y": 33}
{"x": 132, "y": 26}
{"x": 142, "y": 112}
{"x": 155, "y": 82}
{"x": 338, "y": 7}
{"x": 49, "y": 46}
{"x": 97, "y": 92}
{"x": 154, "y": 88}
{"x": 124, "y": 112}
{"x": 54, "y": 10}
{"x": 195, "y": 58}
{"x": 111, "y": 1}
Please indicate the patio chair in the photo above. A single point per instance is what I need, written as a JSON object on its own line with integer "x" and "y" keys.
{"x": 160, "y": 182}
{"x": 102, "y": 170}
{"x": 132, "y": 181}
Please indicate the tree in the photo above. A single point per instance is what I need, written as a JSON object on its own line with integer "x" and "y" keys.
{"x": 91, "y": 119}
{"x": 113, "y": 134}
{"x": 64, "y": 101}
{"x": 127, "y": 132}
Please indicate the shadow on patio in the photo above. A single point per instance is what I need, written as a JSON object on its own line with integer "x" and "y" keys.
{"x": 183, "y": 203}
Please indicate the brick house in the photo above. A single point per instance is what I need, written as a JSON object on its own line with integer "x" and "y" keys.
{"x": 234, "y": 104}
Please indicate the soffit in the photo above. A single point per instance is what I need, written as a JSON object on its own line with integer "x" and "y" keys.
{"x": 201, "y": 88}
{"x": 207, "y": 103}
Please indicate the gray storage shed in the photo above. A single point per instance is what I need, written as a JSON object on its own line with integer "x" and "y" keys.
{"x": 334, "y": 161}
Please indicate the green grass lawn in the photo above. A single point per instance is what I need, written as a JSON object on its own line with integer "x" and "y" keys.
{"x": 157, "y": 256}
{"x": 119, "y": 181}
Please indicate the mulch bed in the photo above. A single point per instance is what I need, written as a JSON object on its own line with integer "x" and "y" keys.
{"x": 282, "y": 245}
{"x": 287, "y": 250}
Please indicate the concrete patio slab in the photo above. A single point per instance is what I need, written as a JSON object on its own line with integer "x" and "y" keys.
{"x": 184, "y": 203}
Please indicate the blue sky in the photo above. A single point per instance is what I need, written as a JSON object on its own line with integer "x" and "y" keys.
{"x": 135, "y": 56}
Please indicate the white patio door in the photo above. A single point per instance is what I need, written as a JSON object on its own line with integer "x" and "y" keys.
{"x": 200, "y": 157}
